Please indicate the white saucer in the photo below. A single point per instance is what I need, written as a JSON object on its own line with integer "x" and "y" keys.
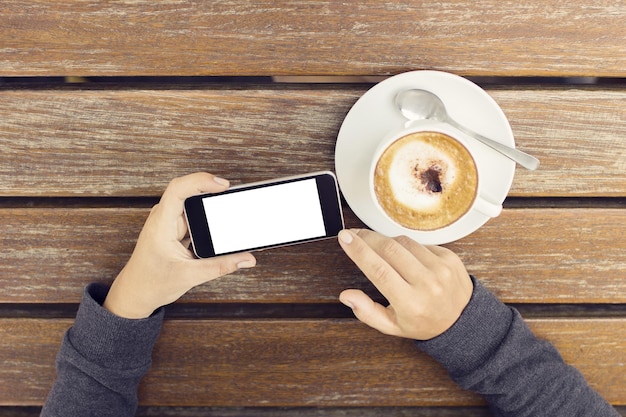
{"x": 374, "y": 115}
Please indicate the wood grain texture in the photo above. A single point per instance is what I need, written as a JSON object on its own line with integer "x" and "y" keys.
{"x": 120, "y": 141}
{"x": 524, "y": 256}
{"x": 297, "y": 363}
{"x": 268, "y": 37}
{"x": 482, "y": 411}
{"x": 131, "y": 143}
{"x": 290, "y": 411}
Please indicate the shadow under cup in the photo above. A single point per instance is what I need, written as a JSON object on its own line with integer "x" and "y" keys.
{"x": 425, "y": 178}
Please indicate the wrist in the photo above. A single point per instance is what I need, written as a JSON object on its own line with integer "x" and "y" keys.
{"x": 121, "y": 302}
{"x": 123, "y": 310}
{"x": 479, "y": 330}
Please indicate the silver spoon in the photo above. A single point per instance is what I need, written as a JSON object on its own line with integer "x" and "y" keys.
{"x": 417, "y": 104}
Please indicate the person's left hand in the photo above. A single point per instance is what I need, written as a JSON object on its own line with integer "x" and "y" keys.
{"x": 161, "y": 268}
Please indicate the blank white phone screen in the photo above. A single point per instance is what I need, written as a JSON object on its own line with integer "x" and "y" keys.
{"x": 264, "y": 216}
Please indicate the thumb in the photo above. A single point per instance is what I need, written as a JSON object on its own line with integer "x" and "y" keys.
{"x": 368, "y": 311}
{"x": 205, "y": 270}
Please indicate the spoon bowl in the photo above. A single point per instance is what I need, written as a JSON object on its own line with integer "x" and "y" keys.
{"x": 417, "y": 104}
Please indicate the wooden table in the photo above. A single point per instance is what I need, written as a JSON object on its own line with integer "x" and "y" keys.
{"x": 102, "y": 103}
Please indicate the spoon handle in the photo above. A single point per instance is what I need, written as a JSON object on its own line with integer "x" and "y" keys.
{"x": 527, "y": 161}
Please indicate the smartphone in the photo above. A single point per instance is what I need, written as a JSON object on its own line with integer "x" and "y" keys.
{"x": 264, "y": 215}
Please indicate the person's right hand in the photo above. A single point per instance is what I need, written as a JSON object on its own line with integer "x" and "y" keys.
{"x": 162, "y": 268}
{"x": 427, "y": 286}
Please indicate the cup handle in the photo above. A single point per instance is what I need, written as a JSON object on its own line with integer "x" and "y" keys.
{"x": 487, "y": 208}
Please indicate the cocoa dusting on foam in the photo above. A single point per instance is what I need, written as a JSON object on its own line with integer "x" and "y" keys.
{"x": 430, "y": 177}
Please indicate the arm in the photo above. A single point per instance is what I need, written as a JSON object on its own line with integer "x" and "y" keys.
{"x": 485, "y": 345}
{"x": 101, "y": 361}
{"x": 108, "y": 350}
{"x": 518, "y": 374}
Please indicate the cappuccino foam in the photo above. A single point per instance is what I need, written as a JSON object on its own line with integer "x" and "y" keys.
{"x": 425, "y": 180}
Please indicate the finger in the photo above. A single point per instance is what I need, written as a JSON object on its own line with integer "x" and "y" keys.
{"x": 396, "y": 252}
{"x": 181, "y": 188}
{"x": 450, "y": 260}
{"x": 186, "y": 243}
{"x": 181, "y": 228}
{"x": 426, "y": 255}
{"x": 376, "y": 269}
{"x": 369, "y": 312}
{"x": 441, "y": 252}
{"x": 205, "y": 270}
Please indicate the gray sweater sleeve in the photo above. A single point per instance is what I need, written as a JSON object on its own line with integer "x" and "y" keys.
{"x": 101, "y": 361}
{"x": 490, "y": 350}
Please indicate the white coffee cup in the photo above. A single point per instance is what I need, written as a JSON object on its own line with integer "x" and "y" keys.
{"x": 425, "y": 177}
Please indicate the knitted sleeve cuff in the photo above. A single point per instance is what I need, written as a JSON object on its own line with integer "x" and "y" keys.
{"x": 111, "y": 341}
{"x": 481, "y": 327}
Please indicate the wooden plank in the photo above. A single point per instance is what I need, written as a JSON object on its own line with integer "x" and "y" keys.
{"x": 546, "y": 122}
{"x": 289, "y": 411}
{"x": 298, "y": 363}
{"x": 525, "y": 256}
{"x": 313, "y": 412}
{"x": 131, "y": 143}
{"x": 283, "y": 411}
{"x": 125, "y": 143}
{"x": 269, "y": 37}
{"x": 319, "y": 412}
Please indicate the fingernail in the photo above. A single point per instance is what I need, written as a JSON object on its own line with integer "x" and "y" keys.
{"x": 345, "y": 236}
{"x": 221, "y": 181}
{"x": 245, "y": 264}
{"x": 347, "y": 303}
